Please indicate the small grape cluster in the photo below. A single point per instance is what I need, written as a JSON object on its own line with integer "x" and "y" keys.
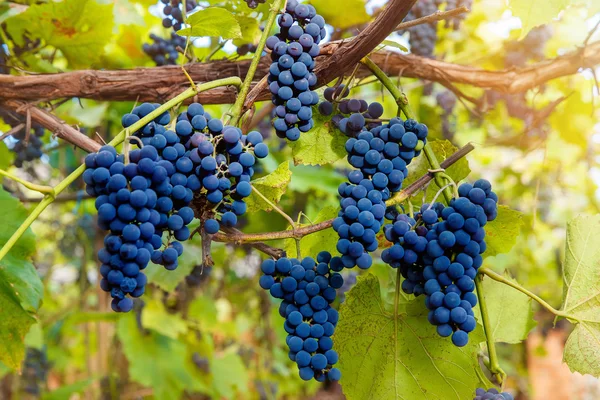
{"x": 174, "y": 14}
{"x": 254, "y": 3}
{"x": 163, "y": 51}
{"x": 439, "y": 253}
{"x": 307, "y": 289}
{"x": 26, "y": 147}
{"x": 491, "y": 394}
{"x": 35, "y": 371}
{"x": 291, "y": 78}
{"x": 245, "y": 49}
{"x": 446, "y": 100}
{"x": 531, "y": 47}
{"x": 381, "y": 156}
{"x": 352, "y": 114}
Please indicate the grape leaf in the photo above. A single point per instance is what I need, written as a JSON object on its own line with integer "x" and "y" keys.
{"x": 155, "y": 360}
{"x": 249, "y": 28}
{"x": 510, "y": 312}
{"x": 536, "y": 12}
{"x": 501, "y": 234}
{"x": 323, "y": 144}
{"x": 78, "y": 28}
{"x": 155, "y": 317}
{"x": 402, "y": 357}
{"x": 272, "y": 186}
{"x": 230, "y": 376}
{"x": 214, "y": 22}
{"x": 311, "y": 245}
{"x": 419, "y": 167}
{"x": 354, "y": 12}
{"x": 581, "y": 294}
{"x": 66, "y": 391}
{"x": 168, "y": 280}
{"x": 21, "y": 290}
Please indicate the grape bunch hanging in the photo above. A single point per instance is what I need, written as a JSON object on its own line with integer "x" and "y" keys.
{"x": 163, "y": 51}
{"x": 28, "y": 146}
{"x": 145, "y": 204}
{"x": 291, "y": 76}
{"x": 173, "y": 11}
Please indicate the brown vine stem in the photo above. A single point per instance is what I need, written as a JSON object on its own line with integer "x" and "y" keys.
{"x": 298, "y": 233}
{"x": 436, "y": 16}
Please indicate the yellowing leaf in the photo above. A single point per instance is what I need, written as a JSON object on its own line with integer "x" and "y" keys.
{"x": 342, "y": 13}
{"x": 387, "y": 356}
{"x": 581, "y": 294}
{"x": 272, "y": 186}
{"x": 214, "y": 22}
{"x": 536, "y": 12}
{"x": 323, "y": 144}
{"x": 78, "y": 28}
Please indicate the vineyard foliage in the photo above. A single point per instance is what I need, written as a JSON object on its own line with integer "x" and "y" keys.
{"x": 203, "y": 326}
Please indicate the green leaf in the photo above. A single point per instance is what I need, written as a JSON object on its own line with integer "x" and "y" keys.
{"x": 230, "y": 376}
{"x": 311, "y": 245}
{"x": 214, "y": 22}
{"x": 354, "y": 12}
{"x": 536, "y": 12}
{"x": 323, "y": 144}
{"x": 168, "y": 280}
{"x": 396, "y": 45}
{"x": 581, "y": 294}
{"x": 510, "y": 312}
{"x": 249, "y": 27}
{"x": 21, "y": 290}
{"x": 501, "y": 234}
{"x": 65, "y": 392}
{"x": 272, "y": 186}
{"x": 6, "y": 158}
{"x": 306, "y": 178}
{"x": 419, "y": 167}
{"x": 402, "y": 357}
{"x": 154, "y": 316}
{"x": 78, "y": 28}
{"x": 155, "y": 360}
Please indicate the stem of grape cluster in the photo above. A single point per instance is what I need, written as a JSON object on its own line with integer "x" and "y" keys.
{"x": 489, "y": 333}
{"x": 236, "y": 110}
{"x": 31, "y": 186}
{"x": 49, "y": 198}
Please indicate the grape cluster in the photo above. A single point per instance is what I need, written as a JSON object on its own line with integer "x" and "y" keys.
{"x": 307, "y": 289}
{"x": 491, "y": 394}
{"x": 245, "y": 49}
{"x": 163, "y": 51}
{"x": 254, "y": 3}
{"x": 381, "y": 156}
{"x": 26, "y": 147}
{"x": 174, "y": 14}
{"x": 35, "y": 371}
{"x": 351, "y": 114}
{"x": 423, "y": 36}
{"x": 291, "y": 78}
{"x": 531, "y": 47}
{"x": 446, "y": 100}
{"x": 439, "y": 253}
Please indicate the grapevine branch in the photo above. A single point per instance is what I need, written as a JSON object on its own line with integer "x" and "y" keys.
{"x": 436, "y": 16}
{"x": 161, "y": 83}
{"x": 241, "y": 238}
{"x": 54, "y": 124}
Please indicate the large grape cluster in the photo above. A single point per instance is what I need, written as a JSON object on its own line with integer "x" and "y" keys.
{"x": 163, "y": 51}
{"x": 381, "y": 156}
{"x": 439, "y": 253}
{"x": 351, "y": 115}
{"x": 174, "y": 14}
{"x": 34, "y": 373}
{"x": 307, "y": 289}
{"x": 491, "y": 394}
{"x": 291, "y": 78}
{"x": 140, "y": 201}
